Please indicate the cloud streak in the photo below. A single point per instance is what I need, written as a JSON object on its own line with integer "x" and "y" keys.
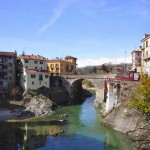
{"x": 99, "y": 61}
{"x": 57, "y": 13}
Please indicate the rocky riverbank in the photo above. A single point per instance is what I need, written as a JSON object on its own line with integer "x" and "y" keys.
{"x": 42, "y": 102}
{"x": 130, "y": 121}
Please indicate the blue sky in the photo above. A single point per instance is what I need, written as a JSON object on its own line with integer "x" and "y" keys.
{"x": 94, "y": 31}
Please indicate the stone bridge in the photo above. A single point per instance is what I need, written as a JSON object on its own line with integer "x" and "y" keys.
{"x": 69, "y": 81}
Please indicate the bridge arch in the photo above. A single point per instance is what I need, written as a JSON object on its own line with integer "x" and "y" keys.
{"x": 97, "y": 82}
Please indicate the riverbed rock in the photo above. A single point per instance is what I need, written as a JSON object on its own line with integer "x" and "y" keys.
{"x": 40, "y": 105}
{"x": 42, "y": 100}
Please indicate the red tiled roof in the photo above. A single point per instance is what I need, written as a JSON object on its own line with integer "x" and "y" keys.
{"x": 35, "y": 57}
{"x": 7, "y": 53}
{"x": 30, "y": 71}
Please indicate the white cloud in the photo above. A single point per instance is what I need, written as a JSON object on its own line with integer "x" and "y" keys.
{"x": 57, "y": 13}
{"x": 99, "y": 61}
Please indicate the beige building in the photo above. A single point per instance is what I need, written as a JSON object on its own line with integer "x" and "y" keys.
{"x": 33, "y": 72}
{"x": 65, "y": 66}
{"x": 146, "y": 53}
{"x": 7, "y": 71}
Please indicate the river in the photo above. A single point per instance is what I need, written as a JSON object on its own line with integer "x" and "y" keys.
{"x": 83, "y": 131}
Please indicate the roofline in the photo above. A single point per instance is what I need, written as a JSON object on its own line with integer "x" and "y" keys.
{"x": 148, "y": 36}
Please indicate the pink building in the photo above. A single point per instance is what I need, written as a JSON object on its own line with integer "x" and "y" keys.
{"x": 136, "y": 58}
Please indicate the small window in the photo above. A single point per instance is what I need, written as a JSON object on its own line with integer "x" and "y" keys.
{"x": 57, "y": 66}
{"x": 32, "y": 82}
{"x": 10, "y": 64}
{"x": 26, "y": 67}
{"x": 35, "y": 67}
{"x": 26, "y": 61}
{"x": 10, "y": 71}
{"x": 9, "y": 57}
{"x": 40, "y": 77}
{"x": 46, "y": 83}
{"x": 41, "y": 62}
{"x": 35, "y": 62}
{"x": 46, "y": 76}
{"x": 32, "y": 75}
{"x": 52, "y": 66}
{"x": 1, "y": 82}
{"x": 146, "y": 43}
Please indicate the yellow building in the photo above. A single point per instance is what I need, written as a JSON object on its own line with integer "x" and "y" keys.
{"x": 65, "y": 66}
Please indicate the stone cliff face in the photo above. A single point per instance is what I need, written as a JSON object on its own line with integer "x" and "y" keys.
{"x": 41, "y": 101}
{"x": 130, "y": 121}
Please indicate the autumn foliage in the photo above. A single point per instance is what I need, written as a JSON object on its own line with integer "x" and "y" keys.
{"x": 140, "y": 99}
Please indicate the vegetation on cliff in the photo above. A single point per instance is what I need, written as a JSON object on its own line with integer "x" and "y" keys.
{"x": 140, "y": 99}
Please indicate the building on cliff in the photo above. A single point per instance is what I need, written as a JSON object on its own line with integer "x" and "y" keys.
{"x": 7, "y": 72}
{"x": 146, "y": 54}
{"x": 32, "y": 72}
{"x": 65, "y": 66}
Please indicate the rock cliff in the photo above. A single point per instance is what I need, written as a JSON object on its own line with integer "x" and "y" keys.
{"x": 42, "y": 101}
{"x": 130, "y": 121}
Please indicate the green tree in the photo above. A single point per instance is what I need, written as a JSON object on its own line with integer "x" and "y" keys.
{"x": 140, "y": 99}
{"x": 16, "y": 91}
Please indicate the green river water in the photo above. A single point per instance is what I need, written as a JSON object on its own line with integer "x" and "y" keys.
{"x": 82, "y": 131}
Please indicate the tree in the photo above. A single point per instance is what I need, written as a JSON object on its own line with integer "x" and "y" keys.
{"x": 16, "y": 91}
{"x": 140, "y": 99}
{"x": 95, "y": 70}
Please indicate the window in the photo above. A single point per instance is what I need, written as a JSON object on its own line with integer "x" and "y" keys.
{"x": 146, "y": 43}
{"x": 57, "y": 66}
{"x": 52, "y": 66}
{"x": 41, "y": 68}
{"x": 26, "y": 61}
{"x": 41, "y": 62}
{"x": 32, "y": 75}
{"x": 10, "y": 78}
{"x": 10, "y": 71}
{"x": 45, "y": 82}
{"x": 32, "y": 82}
{"x": 35, "y": 62}
{"x": 10, "y": 64}
{"x": 9, "y": 57}
{"x": 46, "y": 76}
{"x": 1, "y": 82}
{"x": 40, "y": 77}
{"x": 26, "y": 67}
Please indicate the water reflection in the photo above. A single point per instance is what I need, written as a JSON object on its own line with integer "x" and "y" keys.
{"x": 82, "y": 131}
{"x": 10, "y": 136}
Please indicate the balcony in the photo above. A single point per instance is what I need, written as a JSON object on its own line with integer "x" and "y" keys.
{"x": 146, "y": 57}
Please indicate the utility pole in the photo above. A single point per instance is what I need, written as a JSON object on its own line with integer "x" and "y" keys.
{"x": 125, "y": 64}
